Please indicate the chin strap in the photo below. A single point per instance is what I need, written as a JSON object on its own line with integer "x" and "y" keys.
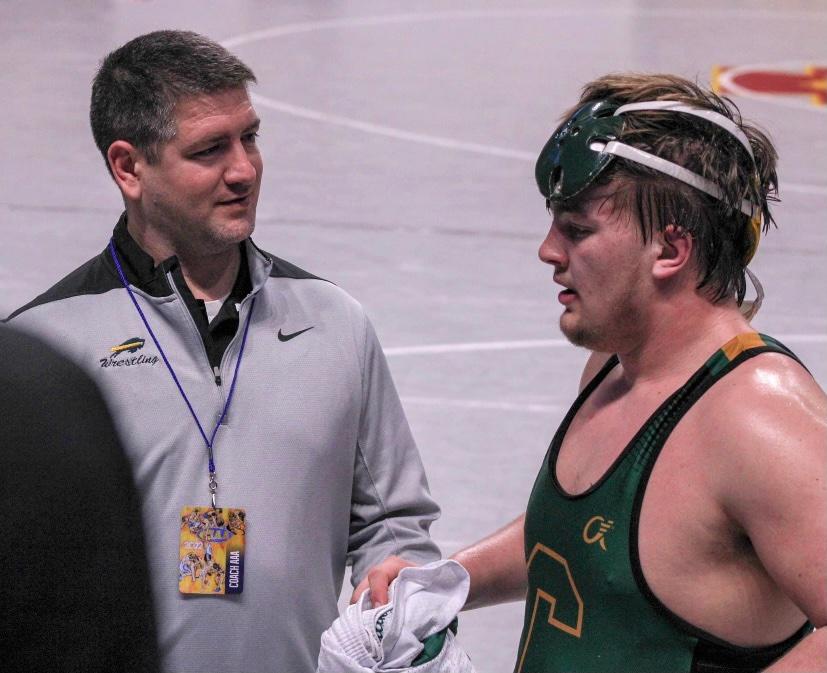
{"x": 749, "y": 309}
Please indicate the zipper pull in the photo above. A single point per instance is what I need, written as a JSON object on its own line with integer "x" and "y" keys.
{"x": 217, "y": 376}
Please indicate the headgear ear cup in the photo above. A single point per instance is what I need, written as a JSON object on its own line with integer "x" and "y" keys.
{"x": 755, "y": 236}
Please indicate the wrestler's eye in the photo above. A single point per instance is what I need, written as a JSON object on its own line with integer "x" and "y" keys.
{"x": 574, "y": 232}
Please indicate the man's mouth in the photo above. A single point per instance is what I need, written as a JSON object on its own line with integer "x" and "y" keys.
{"x": 565, "y": 287}
{"x": 567, "y": 295}
{"x": 239, "y": 200}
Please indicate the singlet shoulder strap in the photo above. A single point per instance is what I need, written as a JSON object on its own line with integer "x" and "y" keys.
{"x": 733, "y": 353}
{"x": 743, "y": 347}
{"x": 595, "y": 380}
{"x": 588, "y": 389}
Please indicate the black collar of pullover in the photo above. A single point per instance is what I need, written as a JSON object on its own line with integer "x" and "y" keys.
{"x": 140, "y": 271}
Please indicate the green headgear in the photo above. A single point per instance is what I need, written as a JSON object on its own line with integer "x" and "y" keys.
{"x": 586, "y": 144}
{"x": 567, "y": 164}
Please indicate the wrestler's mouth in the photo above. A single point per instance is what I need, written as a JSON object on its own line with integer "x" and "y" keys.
{"x": 567, "y": 296}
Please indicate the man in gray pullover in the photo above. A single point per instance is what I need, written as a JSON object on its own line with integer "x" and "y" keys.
{"x": 238, "y": 381}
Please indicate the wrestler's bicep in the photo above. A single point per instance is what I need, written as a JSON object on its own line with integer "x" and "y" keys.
{"x": 776, "y": 490}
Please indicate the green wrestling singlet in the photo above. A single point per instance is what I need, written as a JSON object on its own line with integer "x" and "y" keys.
{"x": 588, "y": 607}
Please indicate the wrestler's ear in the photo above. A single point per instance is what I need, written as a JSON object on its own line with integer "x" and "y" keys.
{"x": 674, "y": 251}
{"x": 126, "y": 161}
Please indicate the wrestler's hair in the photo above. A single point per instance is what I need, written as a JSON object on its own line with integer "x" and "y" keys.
{"x": 721, "y": 232}
{"x": 137, "y": 86}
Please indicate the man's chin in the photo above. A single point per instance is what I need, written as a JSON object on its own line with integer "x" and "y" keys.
{"x": 569, "y": 330}
{"x": 235, "y": 230}
{"x": 217, "y": 240}
{"x": 579, "y": 335}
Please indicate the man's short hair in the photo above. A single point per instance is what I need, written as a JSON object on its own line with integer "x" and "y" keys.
{"x": 137, "y": 86}
{"x": 721, "y": 231}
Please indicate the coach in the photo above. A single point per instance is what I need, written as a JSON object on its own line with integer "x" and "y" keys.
{"x": 253, "y": 398}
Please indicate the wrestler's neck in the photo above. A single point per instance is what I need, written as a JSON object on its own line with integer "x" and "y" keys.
{"x": 209, "y": 274}
{"x": 677, "y": 338}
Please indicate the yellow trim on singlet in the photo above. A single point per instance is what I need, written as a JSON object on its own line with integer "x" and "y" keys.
{"x": 743, "y": 342}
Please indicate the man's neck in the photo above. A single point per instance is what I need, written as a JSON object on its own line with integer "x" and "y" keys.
{"x": 212, "y": 277}
{"x": 209, "y": 275}
{"x": 680, "y": 339}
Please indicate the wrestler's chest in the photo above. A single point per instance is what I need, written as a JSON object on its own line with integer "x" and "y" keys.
{"x": 680, "y": 509}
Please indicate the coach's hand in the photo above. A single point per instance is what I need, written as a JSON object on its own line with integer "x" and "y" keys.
{"x": 378, "y": 580}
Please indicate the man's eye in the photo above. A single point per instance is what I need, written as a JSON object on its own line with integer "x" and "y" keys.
{"x": 576, "y": 233}
{"x": 250, "y": 137}
{"x": 207, "y": 151}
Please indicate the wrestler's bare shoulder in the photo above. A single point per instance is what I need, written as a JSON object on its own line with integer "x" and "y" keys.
{"x": 764, "y": 395}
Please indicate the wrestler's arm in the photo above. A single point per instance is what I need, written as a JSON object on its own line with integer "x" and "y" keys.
{"x": 808, "y": 655}
{"x": 496, "y": 565}
{"x": 773, "y": 486}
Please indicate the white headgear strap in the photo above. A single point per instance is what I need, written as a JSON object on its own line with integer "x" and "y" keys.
{"x": 669, "y": 167}
{"x": 709, "y": 115}
{"x": 690, "y": 177}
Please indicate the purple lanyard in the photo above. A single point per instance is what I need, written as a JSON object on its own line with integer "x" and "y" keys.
{"x": 213, "y": 484}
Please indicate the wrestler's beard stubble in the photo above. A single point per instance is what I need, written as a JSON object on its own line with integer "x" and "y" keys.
{"x": 617, "y": 321}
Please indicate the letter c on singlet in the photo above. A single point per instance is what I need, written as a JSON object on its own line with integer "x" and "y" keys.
{"x": 595, "y": 533}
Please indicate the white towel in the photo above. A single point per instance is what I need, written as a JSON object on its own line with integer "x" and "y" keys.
{"x": 423, "y": 601}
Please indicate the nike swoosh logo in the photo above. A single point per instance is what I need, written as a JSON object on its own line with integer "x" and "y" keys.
{"x": 287, "y": 337}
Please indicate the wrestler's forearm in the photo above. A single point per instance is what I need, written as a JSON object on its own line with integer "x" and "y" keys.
{"x": 809, "y": 655}
{"x": 497, "y": 567}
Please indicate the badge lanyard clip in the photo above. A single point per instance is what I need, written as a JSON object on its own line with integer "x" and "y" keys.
{"x": 213, "y": 485}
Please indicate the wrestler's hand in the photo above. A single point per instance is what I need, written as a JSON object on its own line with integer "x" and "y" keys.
{"x": 378, "y": 580}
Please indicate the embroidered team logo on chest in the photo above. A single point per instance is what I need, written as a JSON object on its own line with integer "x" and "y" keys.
{"x": 596, "y": 529}
{"x": 125, "y": 354}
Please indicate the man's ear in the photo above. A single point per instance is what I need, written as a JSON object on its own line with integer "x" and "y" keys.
{"x": 675, "y": 251}
{"x": 126, "y": 161}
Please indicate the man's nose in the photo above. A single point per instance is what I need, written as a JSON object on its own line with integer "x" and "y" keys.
{"x": 551, "y": 252}
{"x": 242, "y": 168}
